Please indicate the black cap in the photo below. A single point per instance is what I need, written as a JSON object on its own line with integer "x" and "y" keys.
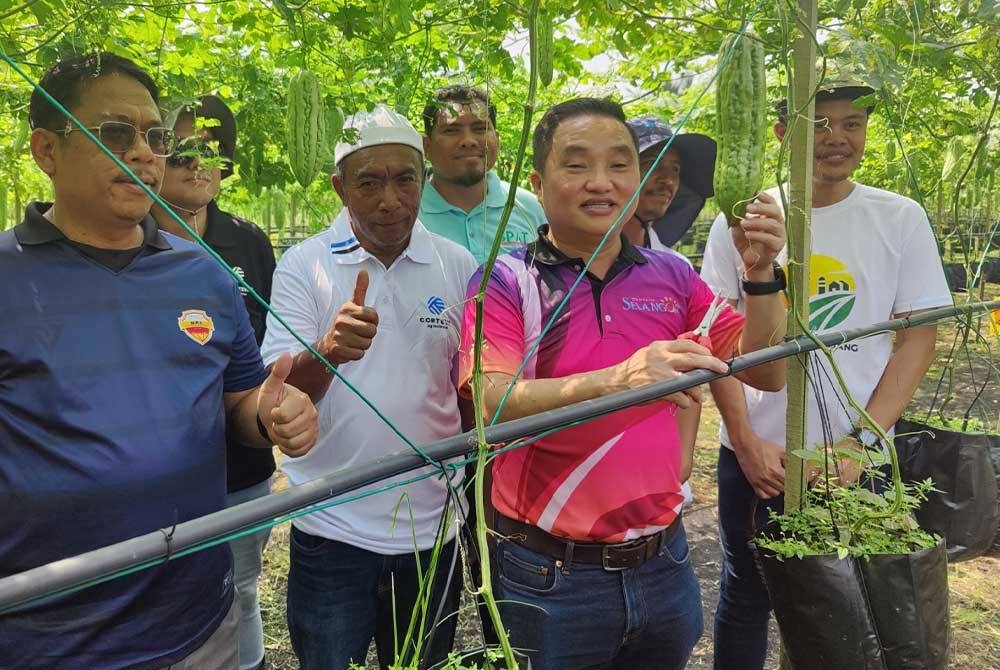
{"x": 832, "y": 89}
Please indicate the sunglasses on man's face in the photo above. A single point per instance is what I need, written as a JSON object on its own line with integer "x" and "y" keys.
{"x": 187, "y": 154}
{"x": 119, "y": 137}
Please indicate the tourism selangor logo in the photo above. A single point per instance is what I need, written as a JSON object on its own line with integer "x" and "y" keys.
{"x": 832, "y": 292}
{"x": 197, "y": 325}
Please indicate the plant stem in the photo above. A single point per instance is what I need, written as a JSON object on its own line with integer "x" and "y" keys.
{"x": 482, "y": 542}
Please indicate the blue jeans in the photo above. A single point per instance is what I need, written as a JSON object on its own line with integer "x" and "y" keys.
{"x": 247, "y": 552}
{"x": 741, "y": 616}
{"x": 581, "y": 616}
{"x": 341, "y": 596}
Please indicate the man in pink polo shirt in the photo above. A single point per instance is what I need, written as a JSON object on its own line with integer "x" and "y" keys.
{"x": 590, "y": 515}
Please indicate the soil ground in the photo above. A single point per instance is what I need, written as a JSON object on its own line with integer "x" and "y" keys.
{"x": 973, "y": 585}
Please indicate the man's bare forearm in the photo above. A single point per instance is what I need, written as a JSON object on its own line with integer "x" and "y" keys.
{"x": 764, "y": 327}
{"x": 728, "y": 395}
{"x": 531, "y": 396}
{"x": 310, "y": 375}
{"x": 912, "y": 355}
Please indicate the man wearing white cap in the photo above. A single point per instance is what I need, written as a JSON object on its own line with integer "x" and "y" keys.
{"x": 380, "y": 297}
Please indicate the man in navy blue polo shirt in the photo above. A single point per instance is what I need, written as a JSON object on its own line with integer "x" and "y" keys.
{"x": 125, "y": 356}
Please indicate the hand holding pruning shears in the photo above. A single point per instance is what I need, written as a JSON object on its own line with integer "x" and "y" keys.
{"x": 701, "y": 333}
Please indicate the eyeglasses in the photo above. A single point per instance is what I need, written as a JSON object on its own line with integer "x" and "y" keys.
{"x": 119, "y": 137}
{"x": 188, "y": 154}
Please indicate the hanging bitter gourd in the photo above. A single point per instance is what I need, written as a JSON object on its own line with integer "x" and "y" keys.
{"x": 543, "y": 39}
{"x": 741, "y": 125}
{"x": 306, "y": 127}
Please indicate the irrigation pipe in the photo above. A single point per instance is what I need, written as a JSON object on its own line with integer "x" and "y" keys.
{"x": 31, "y": 586}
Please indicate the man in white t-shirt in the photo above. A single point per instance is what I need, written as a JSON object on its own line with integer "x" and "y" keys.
{"x": 874, "y": 257}
{"x": 381, "y": 298}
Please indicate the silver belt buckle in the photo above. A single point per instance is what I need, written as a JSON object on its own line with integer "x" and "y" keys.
{"x": 605, "y": 556}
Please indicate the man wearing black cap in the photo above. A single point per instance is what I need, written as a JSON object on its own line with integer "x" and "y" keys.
{"x": 191, "y": 182}
{"x": 673, "y": 197}
{"x": 873, "y": 258}
{"x": 687, "y": 164}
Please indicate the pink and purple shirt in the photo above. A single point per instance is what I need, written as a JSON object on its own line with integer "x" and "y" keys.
{"x": 617, "y": 477}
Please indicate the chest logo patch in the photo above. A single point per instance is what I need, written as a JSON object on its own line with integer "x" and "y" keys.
{"x": 196, "y": 324}
{"x": 832, "y": 292}
{"x": 664, "y": 305}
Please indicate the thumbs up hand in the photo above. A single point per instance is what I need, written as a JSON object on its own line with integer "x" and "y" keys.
{"x": 354, "y": 328}
{"x": 286, "y": 412}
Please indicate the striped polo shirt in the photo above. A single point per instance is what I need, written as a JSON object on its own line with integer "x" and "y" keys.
{"x": 617, "y": 477}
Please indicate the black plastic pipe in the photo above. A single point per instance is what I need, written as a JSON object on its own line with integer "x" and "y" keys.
{"x": 95, "y": 566}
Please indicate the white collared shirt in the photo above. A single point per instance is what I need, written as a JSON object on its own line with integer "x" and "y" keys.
{"x": 407, "y": 374}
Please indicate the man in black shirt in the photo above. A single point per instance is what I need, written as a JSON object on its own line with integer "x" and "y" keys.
{"x": 191, "y": 181}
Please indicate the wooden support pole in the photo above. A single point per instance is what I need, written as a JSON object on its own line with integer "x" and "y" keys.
{"x": 801, "y": 110}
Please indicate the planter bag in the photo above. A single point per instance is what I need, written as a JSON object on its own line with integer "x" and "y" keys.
{"x": 908, "y": 598}
{"x": 822, "y": 612}
{"x": 965, "y": 512}
{"x": 995, "y": 457}
{"x": 886, "y": 613}
{"x": 477, "y": 658}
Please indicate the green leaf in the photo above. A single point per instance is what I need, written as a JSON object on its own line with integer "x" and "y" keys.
{"x": 810, "y": 455}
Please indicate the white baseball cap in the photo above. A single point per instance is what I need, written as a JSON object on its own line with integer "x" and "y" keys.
{"x": 379, "y": 126}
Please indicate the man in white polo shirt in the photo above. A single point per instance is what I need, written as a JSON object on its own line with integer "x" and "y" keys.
{"x": 380, "y": 297}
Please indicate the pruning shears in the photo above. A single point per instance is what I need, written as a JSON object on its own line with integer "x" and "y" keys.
{"x": 700, "y": 334}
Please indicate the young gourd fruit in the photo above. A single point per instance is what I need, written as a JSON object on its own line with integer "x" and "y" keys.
{"x": 741, "y": 125}
{"x": 306, "y": 127}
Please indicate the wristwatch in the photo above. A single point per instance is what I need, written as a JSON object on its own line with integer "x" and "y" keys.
{"x": 766, "y": 287}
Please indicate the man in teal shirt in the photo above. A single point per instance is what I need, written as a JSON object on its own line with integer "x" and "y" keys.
{"x": 464, "y": 198}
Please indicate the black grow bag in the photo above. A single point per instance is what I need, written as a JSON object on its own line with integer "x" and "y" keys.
{"x": 888, "y": 612}
{"x": 966, "y": 510}
{"x": 478, "y": 658}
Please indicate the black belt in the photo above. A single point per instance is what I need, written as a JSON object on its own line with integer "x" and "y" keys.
{"x": 620, "y": 556}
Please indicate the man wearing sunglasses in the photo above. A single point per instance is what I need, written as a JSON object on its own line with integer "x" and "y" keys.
{"x": 125, "y": 357}
{"x": 206, "y": 133}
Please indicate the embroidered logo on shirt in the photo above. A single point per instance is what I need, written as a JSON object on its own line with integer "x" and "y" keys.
{"x": 665, "y": 304}
{"x": 241, "y": 273}
{"x": 435, "y": 304}
{"x": 197, "y": 325}
{"x": 832, "y": 292}
{"x": 345, "y": 246}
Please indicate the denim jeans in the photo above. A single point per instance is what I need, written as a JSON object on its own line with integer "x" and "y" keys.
{"x": 340, "y": 596}
{"x": 581, "y": 616}
{"x": 741, "y": 616}
{"x": 247, "y": 552}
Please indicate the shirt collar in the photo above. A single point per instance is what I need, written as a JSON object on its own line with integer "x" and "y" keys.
{"x": 433, "y": 202}
{"x": 543, "y": 251}
{"x": 37, "y": 230}
{"x": 217, "y": 233}
{"x": 495, "y": 195}
{"x": 347, "y": 250}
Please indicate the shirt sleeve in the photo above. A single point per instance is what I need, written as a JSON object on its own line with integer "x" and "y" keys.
{"x": 245, "y": 370}
{"x": 721, "y": 265}
{"x": 921, "y": 283}
{"x": 503, "y": 327}
{"x": 293, "y": 297}
{"x": 728, "y": 325}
